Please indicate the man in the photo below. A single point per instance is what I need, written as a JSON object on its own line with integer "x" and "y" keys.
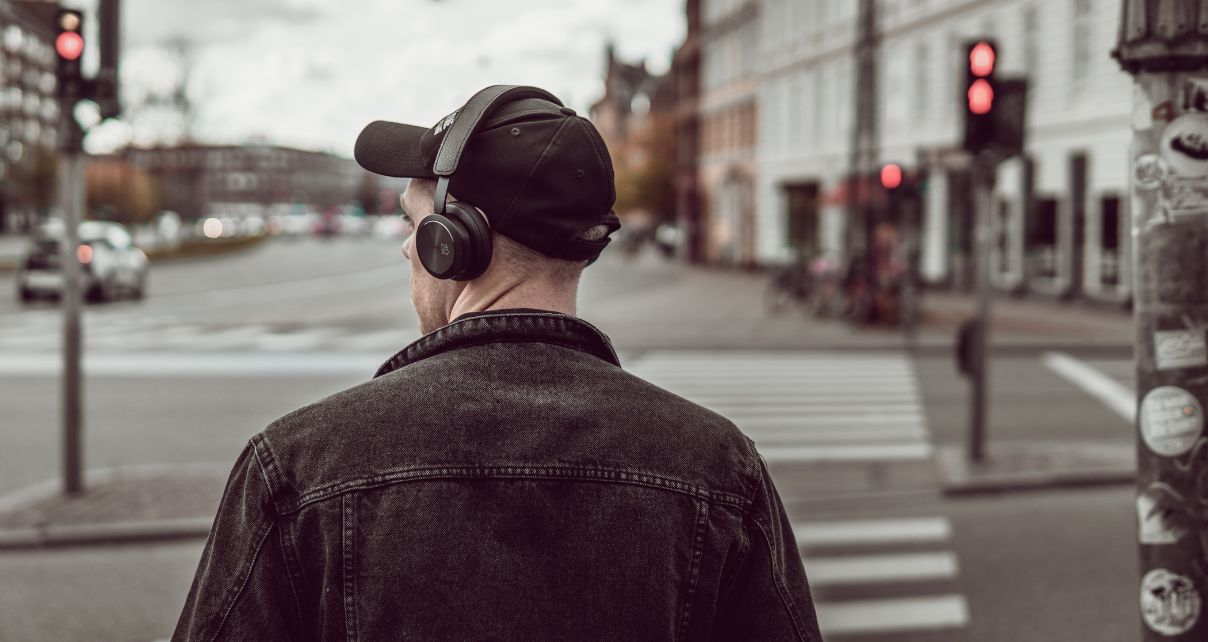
{"x": 501, "y": 478}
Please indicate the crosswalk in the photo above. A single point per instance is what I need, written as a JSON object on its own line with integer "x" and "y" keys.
{"x": 879, "y": 575}
{"x": 40, "y": 331}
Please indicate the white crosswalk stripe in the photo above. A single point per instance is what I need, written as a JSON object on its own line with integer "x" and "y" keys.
{"x": 804, "y": 406}
{"x": 881, "y": 575}
{"x": 40, "y": 331}
{"x": 876, "y": 563}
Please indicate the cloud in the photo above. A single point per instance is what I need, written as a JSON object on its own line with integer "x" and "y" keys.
{"x": 311, "y": 73}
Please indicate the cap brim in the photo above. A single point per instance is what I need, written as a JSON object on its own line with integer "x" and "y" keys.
{"x": 392, "y": 149}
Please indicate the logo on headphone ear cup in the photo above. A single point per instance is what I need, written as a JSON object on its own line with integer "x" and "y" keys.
{"x": 455, "y": 245}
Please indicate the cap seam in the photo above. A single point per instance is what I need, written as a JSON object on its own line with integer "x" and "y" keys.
{"x": 532, "y": 170}
{"x": 599, "y": 156}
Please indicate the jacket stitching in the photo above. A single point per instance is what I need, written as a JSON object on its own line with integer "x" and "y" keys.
{"x": 781, "y": 590}
{"x": 511, "y": 472}
{"x": 348, "y": 550}
{"x": 290, "y": 574}
{"x": 698, "y": 552}
{"x": 226, "y": 613}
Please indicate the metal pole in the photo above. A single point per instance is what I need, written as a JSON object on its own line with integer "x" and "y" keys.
{"x": 1170, "y": 232}
{"x": 910, "y": 286}
{"x": 72, "y": 200}
{"x": 982, "y": 176}
{"x": 1169, "y": 211}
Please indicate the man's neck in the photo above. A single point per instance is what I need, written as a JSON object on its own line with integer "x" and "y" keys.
{"x": 482, "y": 297}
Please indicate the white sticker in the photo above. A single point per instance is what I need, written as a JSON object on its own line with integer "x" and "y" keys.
{"x": 1180, "y": 349}
{"x": 1171, "y": 420}
{"x": 1184, "y": 144}
{"x": 1170, "y": 604}
{"x": 1160, "y": 515}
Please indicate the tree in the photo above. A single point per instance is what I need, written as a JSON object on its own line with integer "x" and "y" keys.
{"x": 367, "y": 193}
{"x": 34, "y": 179}
{"x": 117, "y": 191}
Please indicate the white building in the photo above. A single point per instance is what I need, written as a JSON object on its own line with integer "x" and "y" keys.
{"x": 1060, "y": 220}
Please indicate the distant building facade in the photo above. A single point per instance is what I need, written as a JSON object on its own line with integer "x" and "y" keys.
{"x": 690, "y": 212}
{"x": 786, "y": 70}
{"x": 635, "y": 118}
{"x": 727, "y": 106}
{"x": 201, "y": 180}
{"x": 29, "y": 106}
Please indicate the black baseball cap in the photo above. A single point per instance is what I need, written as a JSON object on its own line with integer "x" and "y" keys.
{"x": 540, "y": 172}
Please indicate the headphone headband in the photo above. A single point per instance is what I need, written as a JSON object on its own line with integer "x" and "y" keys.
{"x": 471, "y": 116}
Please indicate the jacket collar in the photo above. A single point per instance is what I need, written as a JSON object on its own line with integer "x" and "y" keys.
{"x": 506, "y": 326}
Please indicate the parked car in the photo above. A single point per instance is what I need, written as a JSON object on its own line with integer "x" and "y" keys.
{"x": 110, "y": 265}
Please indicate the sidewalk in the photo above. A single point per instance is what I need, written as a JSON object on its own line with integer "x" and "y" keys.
{"x": 720, "y": 308}
{"x": 124, "y": 504}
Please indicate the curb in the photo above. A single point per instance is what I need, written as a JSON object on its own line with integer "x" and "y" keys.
{"x": 105, "y": 532}
{"x": 1035, "y": 467}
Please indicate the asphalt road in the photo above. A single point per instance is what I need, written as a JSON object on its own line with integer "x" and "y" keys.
{"x": 221, "y": 347}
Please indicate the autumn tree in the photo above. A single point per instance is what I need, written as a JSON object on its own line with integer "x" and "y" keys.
{"x": 120, "y": 192}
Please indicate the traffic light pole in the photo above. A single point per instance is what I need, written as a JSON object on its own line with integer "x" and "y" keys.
{"x": 71, "y": 173}
{"x": 982, "y": 174}
{"x": 1169, "y": 186}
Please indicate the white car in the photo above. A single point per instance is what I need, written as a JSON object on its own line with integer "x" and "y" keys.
{"x": 110, "y": 264}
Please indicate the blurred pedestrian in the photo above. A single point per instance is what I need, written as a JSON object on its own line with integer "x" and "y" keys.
{"x": 502, "y": 477}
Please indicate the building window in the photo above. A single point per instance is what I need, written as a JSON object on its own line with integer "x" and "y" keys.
{"x": 1042, "y": 237}
{"x": 1031, "y": 25}
{"x": 1081, "y": 40}
{"x": 1109, "y": 239}
{"x": 922, "y": 81}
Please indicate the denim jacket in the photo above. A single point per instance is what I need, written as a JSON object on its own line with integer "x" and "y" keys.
{"x": 501, "y": 478}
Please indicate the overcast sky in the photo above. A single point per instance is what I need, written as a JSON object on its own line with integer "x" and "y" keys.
{"x": 311, "y": 73}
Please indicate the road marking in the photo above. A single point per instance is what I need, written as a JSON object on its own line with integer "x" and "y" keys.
{"x": 881, "y": 568}
{"x": 1118, "y": 397}
{"x": 890, "y": 615}
{"x": 905, "y": 435}
{"x": 873, "y": 531}
{"x": 806, "y": 409}
{"x": 794, "y": 423}
{"x": 835, "y": 453}
{"x": 200, "y": 365}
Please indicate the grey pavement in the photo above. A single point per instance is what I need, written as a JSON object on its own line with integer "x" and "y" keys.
{"x": 194, "y": 403}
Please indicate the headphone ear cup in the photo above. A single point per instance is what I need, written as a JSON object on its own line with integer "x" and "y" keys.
{"x": 442, "y": 244}
{"x": 478, "y": 249}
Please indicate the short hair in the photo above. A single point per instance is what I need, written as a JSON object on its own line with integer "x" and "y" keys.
{"x": 527, "y": 262}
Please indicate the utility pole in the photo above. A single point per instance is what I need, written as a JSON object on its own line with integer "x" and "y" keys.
{"x": 1164, "y": 46}
{"x": 862, "y": 157}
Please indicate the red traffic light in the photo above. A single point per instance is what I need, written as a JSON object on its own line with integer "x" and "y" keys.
{"x": 69, "y": 45}
{"x": 982, "y": 58}
{"x": 891, "y": 176}
{"x": 981, "y": 97}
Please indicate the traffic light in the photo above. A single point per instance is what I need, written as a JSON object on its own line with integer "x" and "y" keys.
{"x": 981, "y": 91}
{"x": 891, "y": 176}
{"x": 69, "y": 48}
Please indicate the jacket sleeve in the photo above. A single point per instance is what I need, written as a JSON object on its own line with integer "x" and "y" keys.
{"x": 770, "y": 597}
{"x": 242, "y": 588}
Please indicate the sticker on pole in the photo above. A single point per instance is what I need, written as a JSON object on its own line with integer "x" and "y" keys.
{"x": 1171, "y": 420}
{"x": 1179, "y": 349}
{"x": 1170, "y": 604}
{"x": 1184, "y": 144}
{"x": 1161, "y": 516}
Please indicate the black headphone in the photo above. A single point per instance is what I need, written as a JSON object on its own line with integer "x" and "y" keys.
{"x": 455, "y": 241}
